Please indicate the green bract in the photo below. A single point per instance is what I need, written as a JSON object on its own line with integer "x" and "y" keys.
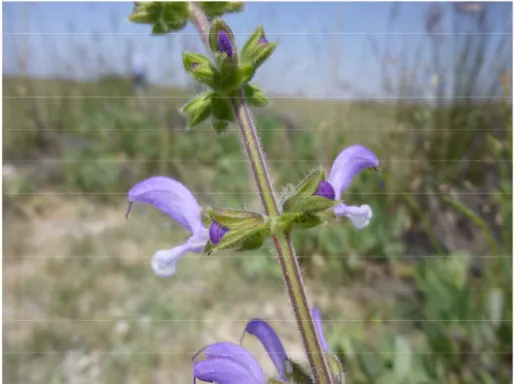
{"x": 304, "y": 190}
{"x": 255, "y": 96}
{"x": 163, "y": 16}
{"x": 198, "y": 110}
{"x": 234, "y": 218}
{"x": 170, "y": 16}
{"x": 217, "y": 8}
{"x": 241, "y": 238}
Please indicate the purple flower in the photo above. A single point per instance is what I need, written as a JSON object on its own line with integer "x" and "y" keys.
{"x": 263, "y": 40}
{"x": 216, "y": 232}
{"x": 228, "y": 363}
{"x": 325, "y": 190}
{"x": 271, "y": 343}
{"x": 174, "y": 199}
{"x": 348, "y": 163}
{"x": 224, "y": 43}
{"x": 316, "y": 316}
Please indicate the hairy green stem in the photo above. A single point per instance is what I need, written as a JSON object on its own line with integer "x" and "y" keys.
{"x": 285, "y": 252}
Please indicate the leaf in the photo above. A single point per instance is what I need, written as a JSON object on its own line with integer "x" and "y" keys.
{"x": 255, "y": 96}
{"x": 306, "y": 188}
{"x": 233, "y": 218}
{"x": 477, "y": 220}
{"x": 235, "y": 237}
{"x": 298, "y": 375}
{"x": 222, "y": 108}
{"x": 311, "y": 204}
{"x": 198, "y": 109}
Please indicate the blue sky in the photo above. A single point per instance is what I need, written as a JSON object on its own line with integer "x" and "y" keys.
{"x": 79, "y": 39}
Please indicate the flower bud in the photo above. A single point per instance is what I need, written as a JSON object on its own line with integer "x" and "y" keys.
{"x": 199, "y": 68}
{"x": 224, "y": 44}
{"x": 216, "y": 232}
{"x": 325, "y": 190}
{"x": 222, "y": 40}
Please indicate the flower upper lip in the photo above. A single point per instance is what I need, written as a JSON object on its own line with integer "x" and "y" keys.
{"x": 174, "y": 199}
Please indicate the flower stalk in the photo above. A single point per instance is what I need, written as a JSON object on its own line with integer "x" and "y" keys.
{"x": 282, "y": 241}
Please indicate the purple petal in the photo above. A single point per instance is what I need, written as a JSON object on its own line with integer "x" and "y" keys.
{"x": 238, "y": 355}
{"x": 223, "y": 371}
{"x": 263, "y": 40}
{"x": 171, "y": 197}
{"x": 325, "y": 190}
{"x": 271, "y": 342}
{"x": 216, "y": 232}
{"x": 224, "y": 43}
{"x": 360, "y": 216}
{"x": 348, "y": 163}
{"x": 319, "y": 329}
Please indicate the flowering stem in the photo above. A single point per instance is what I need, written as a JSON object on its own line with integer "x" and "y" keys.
{"x": 285, "y": 252}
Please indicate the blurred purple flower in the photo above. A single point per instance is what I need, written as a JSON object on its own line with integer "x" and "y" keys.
{"x": 348, "y": 163}
{"x": 316, "y": 315}
{"x": 228, "y": 363}
{"x": 224, "y": 44}
{"x": 272, "y": 344}
{"x": 174, "y": 199}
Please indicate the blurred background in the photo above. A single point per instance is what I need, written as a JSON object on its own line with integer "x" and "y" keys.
{"x": 423, "y": 295}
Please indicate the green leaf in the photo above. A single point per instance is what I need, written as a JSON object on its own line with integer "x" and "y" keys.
{"x": 310, "y": 184}
{"x": 336, "y": 368}
{"x": 262, "y": 53}
{"x": 234, "y": 218}
{"x": 298, "y": 374}
{"x": 198, "y": 110}
{"x": 220, "y": 126}
{"x": 230, "y": 76}
{"x": 311, "y": 204}
{"x": 302, "y": 220}
{"x": 251, "y": 43}
{"x": 254, "y": 241}
{"x": 255, "y": 96}
{"x": 199, "y": 68}
{"x": 236, "y": 237}
{"x": 222, "y": 108}
{"x": 164, "y": 16}
{"x": 217, "y": 8}
{"x": 247, "y": 72}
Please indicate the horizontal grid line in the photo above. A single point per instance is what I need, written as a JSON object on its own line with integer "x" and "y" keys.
{"x": 313, "y": 130}
{"x": 183, "y": 353}
{"x": 228, "y": 160}
{"x": 267, "y": 33}
{"x": 271, "y": 97}
{"x": 212, "y": 257}
{"x": 252, "y": 193}
{"x": 246, "y": 320}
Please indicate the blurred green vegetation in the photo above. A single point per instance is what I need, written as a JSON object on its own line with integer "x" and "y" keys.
{"x": 457, "y": 326}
